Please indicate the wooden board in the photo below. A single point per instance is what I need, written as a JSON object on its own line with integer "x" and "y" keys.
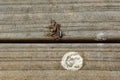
{"x": 42, "y": 61}
{"x": 58, "y": 75}
{"x": 96, "y": 20}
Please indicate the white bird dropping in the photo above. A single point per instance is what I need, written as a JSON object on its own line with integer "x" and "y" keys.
{"x": 72, "y": 61}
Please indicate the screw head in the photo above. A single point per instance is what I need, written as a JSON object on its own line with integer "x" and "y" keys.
{"x": 72, "y": 61}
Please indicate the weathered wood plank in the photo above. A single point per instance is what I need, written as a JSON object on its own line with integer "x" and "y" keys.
{"x": 55, "y": 1}
{"x": 59, "y": 8}
{"x": 48, "y": 56}
{"x": 42, "y": 61}
{"x": 29, "y": 19}
{"x": 55, "y": 65}
{"x": 58, "y": 75}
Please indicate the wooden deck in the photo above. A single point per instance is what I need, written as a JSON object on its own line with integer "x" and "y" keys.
{"x": 81, "y": 20}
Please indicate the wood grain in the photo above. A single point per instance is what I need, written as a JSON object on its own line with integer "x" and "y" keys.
{"x": 58, "y": 75}
{"x": 42, "y": 61}
{"x": 105, "y": 57}
{"x": 96, "y": 20}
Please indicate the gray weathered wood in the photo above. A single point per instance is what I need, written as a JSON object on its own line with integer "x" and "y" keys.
{"x": 42, "y": 61}
{"x": 96, "y": 20}
{"x": 58, "y": 75}
{"x": 48, "y": 56}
